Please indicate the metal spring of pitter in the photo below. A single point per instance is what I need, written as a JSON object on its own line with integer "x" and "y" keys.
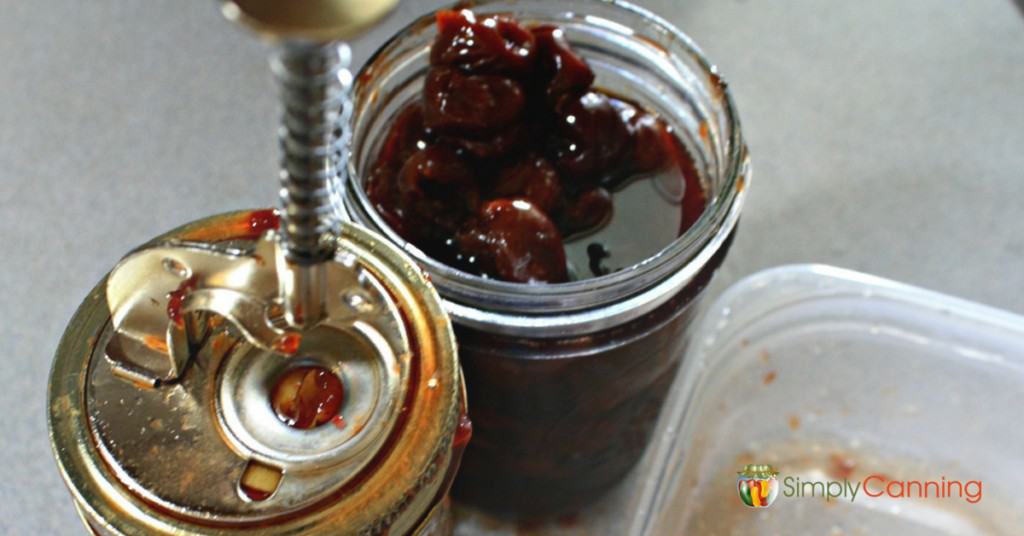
{"x": 314, "y": 82}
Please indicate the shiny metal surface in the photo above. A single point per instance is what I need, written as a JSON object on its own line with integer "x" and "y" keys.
{"x": 167, "y": 456}
{"x": 231, "y": 315}
{"x": 310, "y": 66}
{"x": 314, "y": 20}
{"x": 172, "y": 424}
{"x": 313, "y": 81}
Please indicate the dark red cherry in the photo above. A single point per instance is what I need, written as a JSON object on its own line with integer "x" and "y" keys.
{"x": 436, "y": 191}
{"x": 590, "y": 137}
{"x": 492, "y": 145}
{"x": 513, "y": 240}
{"x": 459, "y": 103}
{"x": 485, "y": 45}
{"x": 649, "y": 151}
{"x": 587, "y": 212}
{"x": 510, "y": 114}
{"x": 405, "y": 136}
{"x": 382, "y": 189}
{"x": 559, "y": 68}
{"x": 645, "y": 150}
{"x": 533, "y": 178}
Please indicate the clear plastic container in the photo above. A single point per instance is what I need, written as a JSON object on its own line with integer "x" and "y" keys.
{"x": 828, "y": 374}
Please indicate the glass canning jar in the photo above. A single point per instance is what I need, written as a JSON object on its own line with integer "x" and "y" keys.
{"x": 567, "y": 380}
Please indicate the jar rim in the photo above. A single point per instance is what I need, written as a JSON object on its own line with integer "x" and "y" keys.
{"x": 477, "y": 300}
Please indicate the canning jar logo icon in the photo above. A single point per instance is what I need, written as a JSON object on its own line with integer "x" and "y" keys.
{"x": 757, "y": 485}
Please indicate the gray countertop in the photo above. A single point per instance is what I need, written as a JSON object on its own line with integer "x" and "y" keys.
{"x": 886, "y": 137}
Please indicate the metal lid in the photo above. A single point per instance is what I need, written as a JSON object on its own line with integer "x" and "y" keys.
{"x": 160, "y": 398}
